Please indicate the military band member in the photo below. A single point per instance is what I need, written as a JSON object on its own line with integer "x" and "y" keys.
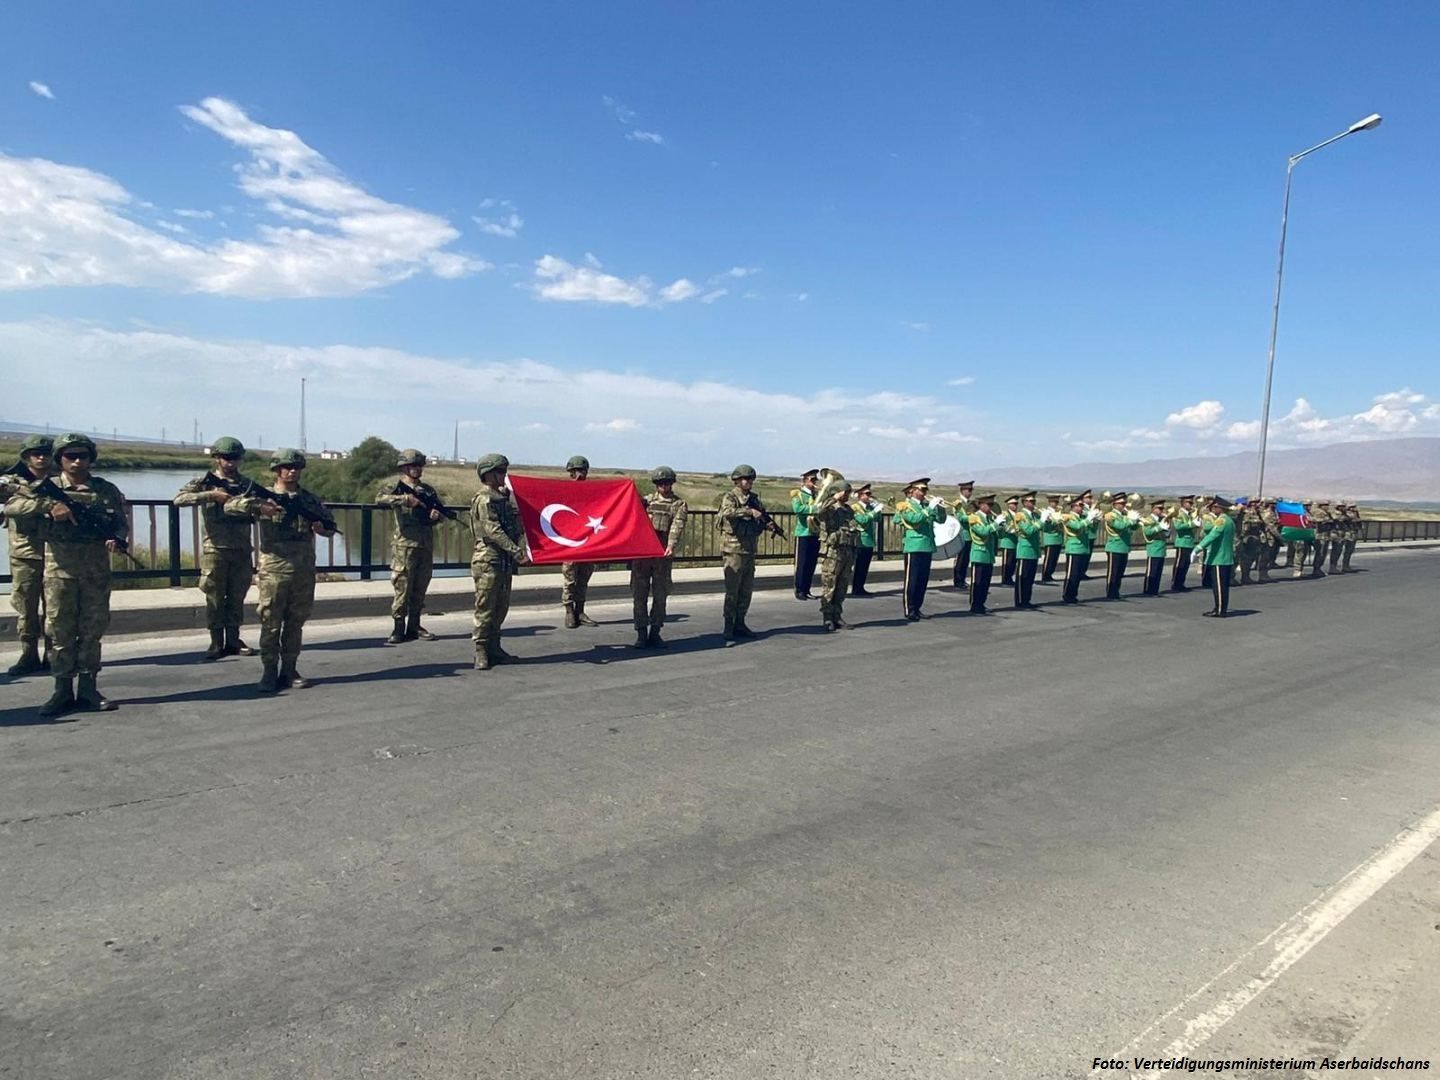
{"x": 983, "y": 525}
{"x": 960, "y": 574}
{"x": 575, "y": 576}
{"x": 1052, "y": 537}
{"x": 807, "y": 543}
{"x": 1205, "y": 521}
{"x": 1006, "y": 540}
{"x": 867, "y": 516}
{"x": 1155, "y": 528}
{"x": 1218, "y": 548}
{"x": 1119, "y": 523}
{"x": 81, "y": 525}
{"x": 650, "y": 578}
{"x": 839, "y": 532}
{"x": 1025, "y": 525}
{"x": 917, "y": 518}
{"x": 742, "y": 519}
{"x": 27, "y": 556}
{"x": 1078, "y": 524}
{"x": 499, "y": 551}
{"x": 412, "y": 545}
{"x": 287, "y": 567}
{"x": 1183, "y": 523}
{"x": 226, "y": 555}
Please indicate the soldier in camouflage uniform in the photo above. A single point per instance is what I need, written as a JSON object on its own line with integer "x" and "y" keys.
{"x": 287, "y": 567}
{"x": 575, "y": 576}
{"x": 1354, "y": 532}
{"x": 226, "y": 569}
{"x": 651, "y": 577}
{"x": 1270, "y": 545}
{"x": 833, "y": 516}
{"x": 499, "y": 552}
{"x": 1252, "y": 540}
{"x": 742, "y": 518}
{"x": 77, "y": 568}
{"x": 412, "y": 546}
{"x": 1324, "y": 522}
{"x": 27, "y": 556}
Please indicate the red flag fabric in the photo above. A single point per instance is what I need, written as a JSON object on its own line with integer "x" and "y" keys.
{"x": 584, "y": 520}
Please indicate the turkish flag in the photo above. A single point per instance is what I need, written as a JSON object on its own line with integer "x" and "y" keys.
{"x": 584, "y": 520}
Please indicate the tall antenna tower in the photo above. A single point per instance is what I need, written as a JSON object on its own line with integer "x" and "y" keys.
{"x": 302, "y": 413}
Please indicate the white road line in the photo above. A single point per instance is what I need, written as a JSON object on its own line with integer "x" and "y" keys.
{"x": 1285, "y": 945}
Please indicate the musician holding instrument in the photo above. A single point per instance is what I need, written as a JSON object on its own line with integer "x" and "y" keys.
{"x": 984, "y": 526}
{"x": 226, "y": 557}
{"x": 807, "y": 544}
{"x": 1026, "y": 526}
{"x": 1155, "y": 527}
{"x": 1078, "y": 524}
{"x": 1052, "y": 537}
{"x": 963, "y": 507}
{"x": 838, "y": 531}
{"x": 1119, "y": 523}
{"x": 1182, "y": 523}
{"x": 1007, "y": 540}
{"x": 867, "y": 512}
{"x": 418, "y": 510}
{"x": 917, "y": 516}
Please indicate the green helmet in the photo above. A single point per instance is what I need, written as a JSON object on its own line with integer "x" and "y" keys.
{"x": 662, "y": 475}
{"x": 71, "y": 441}
{"x": 742, "y": 472}
{"x": 287, "y": 455}
{"x": 227, "y": 446}
{"x": 491, "y": 463}
{"x": 411, "y": 457}
{"x": 37, "y": 444}
{"x": 579, "y": 461}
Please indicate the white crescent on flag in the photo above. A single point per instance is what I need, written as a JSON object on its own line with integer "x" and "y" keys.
{"x": 548, "y": 527}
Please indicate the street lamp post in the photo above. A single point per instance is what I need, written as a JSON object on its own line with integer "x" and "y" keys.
{"x": 1371, "y": 121}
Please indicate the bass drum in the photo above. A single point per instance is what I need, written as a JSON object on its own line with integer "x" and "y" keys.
{"x": 949, "y": 537}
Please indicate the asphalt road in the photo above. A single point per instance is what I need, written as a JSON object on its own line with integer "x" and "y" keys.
{"x": 957, "y": 848}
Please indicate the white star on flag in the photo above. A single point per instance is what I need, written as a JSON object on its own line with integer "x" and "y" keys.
{"x": 595, "y": 524}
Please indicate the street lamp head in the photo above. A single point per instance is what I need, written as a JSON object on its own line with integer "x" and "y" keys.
{"x": 1371, "y": 121}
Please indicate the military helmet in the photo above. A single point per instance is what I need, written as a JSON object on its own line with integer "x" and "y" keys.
{"x": 742, "y": 472}
{"x": 37, "y": 444}
{"x": 287, "y": 455}
{"x": 662, "y": 474}
{"x": 491, "y": 463}
{"x": 411, "y": 456}
{"x": 71, "y": 441}
{"x": 578, "y": 461}
{"x": 226, "y": 446}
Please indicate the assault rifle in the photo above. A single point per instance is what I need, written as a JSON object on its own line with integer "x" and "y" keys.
{"x": 293, "y": 505}
{"x": 767, "y": 523}
{"x": 100, "y": 524}
{"x": 428, "y": 501}
{"x": 232, "y": 488}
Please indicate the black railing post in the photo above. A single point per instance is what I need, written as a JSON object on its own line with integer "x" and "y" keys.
{"x": 367, "y": 540}
{"x": 173, "y": 521}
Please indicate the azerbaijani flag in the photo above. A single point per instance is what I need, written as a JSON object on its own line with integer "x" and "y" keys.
{"x": 1294, "y": 522}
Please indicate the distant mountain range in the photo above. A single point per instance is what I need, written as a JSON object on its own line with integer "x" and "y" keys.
{"x": 1396, "y": 470}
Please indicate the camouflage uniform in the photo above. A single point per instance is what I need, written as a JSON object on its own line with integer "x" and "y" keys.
{"x": 226, "y": 560}
{"x": 1355, "y": 530}
{"x": 27, "y": 564}
{"x": 1252, "y": 541}
{"x": 839, "y": 534}
{"x": 287, "y": 582}
{"x": 651, "y": 577}
{"x": 499, "y": 546}
{"x": 740, "y": 540}
{"x": 1324, "y": 530}
{"x": 575, "y": 576}
{"x": 412, "y": 551}
{"x": 1270, "y": 542}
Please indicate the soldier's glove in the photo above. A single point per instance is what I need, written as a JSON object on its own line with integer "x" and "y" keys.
{"x": 1134, "y": 516}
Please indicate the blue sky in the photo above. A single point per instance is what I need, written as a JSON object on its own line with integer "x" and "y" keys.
{"x": 892, "y": 238}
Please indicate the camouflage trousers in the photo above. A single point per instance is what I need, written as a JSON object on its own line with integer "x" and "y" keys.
{"x": 225, "y": 576}
{"x": 1322, "y": 548}
{"x": 575, "y": 582}
{"x": 27, "y": 586}
{"x": 411, "y": 568}
{"x": 739, "y": 584}
{"x": 77, "y": 612}
{"x": 285, "y": 603}
{"x": 650, "y": 578}
{"x": 1349, "y": 550}
{"x": 492, "y": 603}
{"x": 836, "y": 569}
{"x": 1249, "y": 556}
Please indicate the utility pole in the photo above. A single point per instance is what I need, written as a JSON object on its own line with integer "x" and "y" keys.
{"x": 195, "y": 431}
{"x": 302, "y": 413}
{"x": 455, "y": 453}
{"x": 162, "y": 436}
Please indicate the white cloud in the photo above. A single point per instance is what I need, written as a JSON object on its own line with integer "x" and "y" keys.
{"x": 537, "y": 426}
{"x": 1388, "y": 419}
{"x": 646, "y": 136}
{"x": 197, "y": 215}
{"x": 800, "y": 297}
{"x": 507, "y": 222}
{"x": 963, "y": 380}
{"x": 682, "y": 289}
{"x": 557, "y": 279}
{"x": 1243, "y": 430}
{"x": 618, "y": 426}
{"x": 1200, "y": 416}
{"x": 42, "y": 90}
{"x": 1149, "y": 434}
{"x": 67, "y": 225}
{"x": 713, "y": 295}
{"x": 740, "y": 271}
{"x": 920, "y": 326}
{"x": 628, "y": 117}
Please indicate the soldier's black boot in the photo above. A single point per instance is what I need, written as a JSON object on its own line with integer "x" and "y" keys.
{"x": 61, "y": 701}
{"x": 235, "y": 646}
{"x": 290, "y": 678}
{"x": 217, "y": 645}
{"x": 269, "y": 678}
{"x": 29, "y": 661}
{"x": 497, "y": 654}
{"x": 741, "y": 630}
{"x": 655, "y": 640}
{"x": 642, "y": 639}
{"x": 48, "y": 655}
{"x": 397, "y": 635}
{"x": 582, "y": 618}
{"x": 89, "y": 696}
{"x": 482, "y": 659}
{"x": 413, "y": 630}
{"x": 571, "y": 619}
{"x": 729, "y": 633}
